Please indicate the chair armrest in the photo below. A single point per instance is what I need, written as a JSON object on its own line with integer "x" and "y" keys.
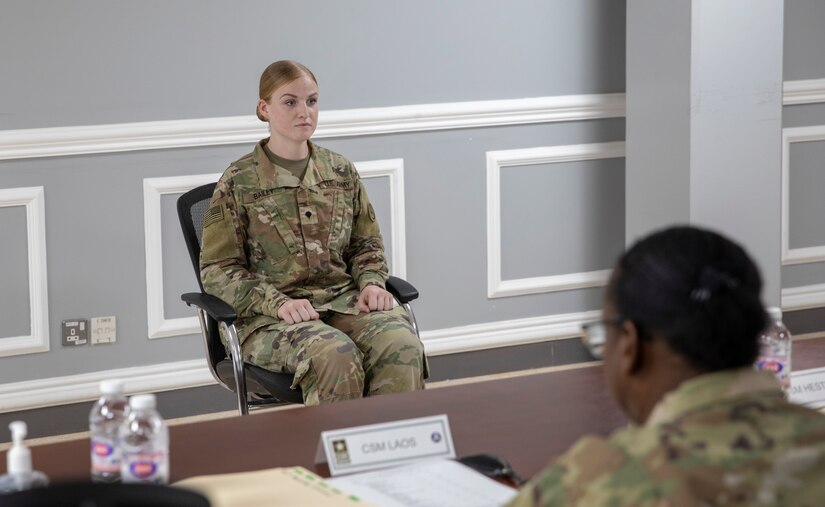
{"x": 401, "y": 289}
{"x": 214, "y": 306}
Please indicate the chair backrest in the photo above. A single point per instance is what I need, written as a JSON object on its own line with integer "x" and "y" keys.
{"x": 191, "y": 207}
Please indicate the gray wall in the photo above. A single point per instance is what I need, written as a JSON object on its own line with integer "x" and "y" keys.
{"x": 96, "y": 62}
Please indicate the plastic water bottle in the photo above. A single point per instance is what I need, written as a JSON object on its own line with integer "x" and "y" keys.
{"x": 104, "y": 423}
{"x": 144, "y": 440}
{"x": 775, "y": 349}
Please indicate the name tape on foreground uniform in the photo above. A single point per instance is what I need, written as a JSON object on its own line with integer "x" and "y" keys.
{"x": 808, "y": 387}
{"x": 374, "y": 446}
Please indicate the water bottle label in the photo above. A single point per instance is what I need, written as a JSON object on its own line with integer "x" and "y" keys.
{"x": 771, "y": 365}
{"x": 105, "y": 456}
{"x": 145, "y": 467}
{"x": 779, "y": 366}
{"x": 142, "y": 469}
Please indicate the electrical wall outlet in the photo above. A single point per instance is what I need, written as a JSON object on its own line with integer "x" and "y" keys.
{"x": 75, "y": 332}
{"x": 104, "y": 330}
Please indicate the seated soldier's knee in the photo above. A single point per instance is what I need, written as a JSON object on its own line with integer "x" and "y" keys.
{"x": 339, "y": 373}
{"x": 397, "y": 341}
{"x": 396, "y": 363}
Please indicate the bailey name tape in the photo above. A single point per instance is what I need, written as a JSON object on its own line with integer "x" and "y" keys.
{"x": 374, "y": 446}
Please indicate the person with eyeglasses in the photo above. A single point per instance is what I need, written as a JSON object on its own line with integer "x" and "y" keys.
{"x": 679, "y": 336}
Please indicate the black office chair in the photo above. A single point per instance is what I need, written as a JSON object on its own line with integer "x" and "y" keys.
{"x": 86, "y": 494}
{"x": 253, "y": 385}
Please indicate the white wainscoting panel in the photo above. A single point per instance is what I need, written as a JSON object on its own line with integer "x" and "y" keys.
{"x": 394, "y": 170}
{"x": 496, "y": 160}
{"x": 807, "y": 254}
{"x": 32, "y": 198}
{"x": 153, "y": 188}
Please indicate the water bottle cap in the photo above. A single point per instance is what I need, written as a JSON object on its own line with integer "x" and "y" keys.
{"x": 774, "y": 312}
{"x": 142, "y": 402}
{"x": 111, "y": 386}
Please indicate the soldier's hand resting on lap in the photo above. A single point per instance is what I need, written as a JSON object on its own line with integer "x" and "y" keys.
{"x": 297, "y": 310}
{"x": 374, "y": 298}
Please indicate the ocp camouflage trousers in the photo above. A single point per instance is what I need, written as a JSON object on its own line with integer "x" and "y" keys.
{"x": 341, "y": 356}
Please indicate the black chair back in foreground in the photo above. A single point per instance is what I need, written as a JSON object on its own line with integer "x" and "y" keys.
{"x": 87, "y": 494}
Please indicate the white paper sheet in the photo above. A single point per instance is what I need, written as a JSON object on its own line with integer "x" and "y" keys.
{"x": 433, "y": 483}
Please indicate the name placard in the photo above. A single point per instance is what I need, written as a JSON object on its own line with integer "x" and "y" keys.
{"x": 376, "y": 446}
{"x": 808, "y": 387}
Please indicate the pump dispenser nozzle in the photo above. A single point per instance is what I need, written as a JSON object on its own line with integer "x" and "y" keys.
{"x": 20, "y": 475}
{"x": 19, "y": 459}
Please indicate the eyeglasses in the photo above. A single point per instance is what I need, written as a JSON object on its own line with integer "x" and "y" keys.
{"x": 594, "y": 335}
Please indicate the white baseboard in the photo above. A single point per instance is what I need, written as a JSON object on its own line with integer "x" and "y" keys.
{"x": 80, "y": 388}
{"x": 33, "y": 394}
{"x": 505, "y": 333}
{"x": 802, "y": 298}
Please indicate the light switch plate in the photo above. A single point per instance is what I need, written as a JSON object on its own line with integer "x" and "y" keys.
{"x": 104, "y": 330}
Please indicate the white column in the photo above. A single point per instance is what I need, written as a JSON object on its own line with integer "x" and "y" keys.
{"x": 704, "y": 121}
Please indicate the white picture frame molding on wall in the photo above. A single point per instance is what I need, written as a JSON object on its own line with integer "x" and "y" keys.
{"x": 498, "y": 160}
{"x": 153, "y": 190}
{"x": 807, "y": 296}
{"x": 804, "y": 255}
{"x": 33, "y": 200}
{"x": 158, "y": 325}
{"x": 393, "y": 170}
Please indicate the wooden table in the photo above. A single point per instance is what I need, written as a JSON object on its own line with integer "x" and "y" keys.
{"x": 527, "y": 420}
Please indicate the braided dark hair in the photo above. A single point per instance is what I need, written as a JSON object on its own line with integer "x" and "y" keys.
{"x": 700, "y": 290}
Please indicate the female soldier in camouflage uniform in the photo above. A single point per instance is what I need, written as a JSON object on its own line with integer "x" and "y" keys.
{"x": 291, "y": 242}
{"x": 681, "y": 318}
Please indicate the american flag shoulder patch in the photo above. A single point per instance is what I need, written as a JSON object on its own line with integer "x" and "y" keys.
{"x": 212, "y": 215}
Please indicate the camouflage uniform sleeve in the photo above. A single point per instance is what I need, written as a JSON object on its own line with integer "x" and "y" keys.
{"x": 582, "y": 474}
{"x": 223, "y": 262}
{"x": 365, "y": 253}
{"x": 544, "y": 490}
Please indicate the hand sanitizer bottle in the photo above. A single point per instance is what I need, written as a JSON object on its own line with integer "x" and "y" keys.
{"x": 20, "y": 475}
